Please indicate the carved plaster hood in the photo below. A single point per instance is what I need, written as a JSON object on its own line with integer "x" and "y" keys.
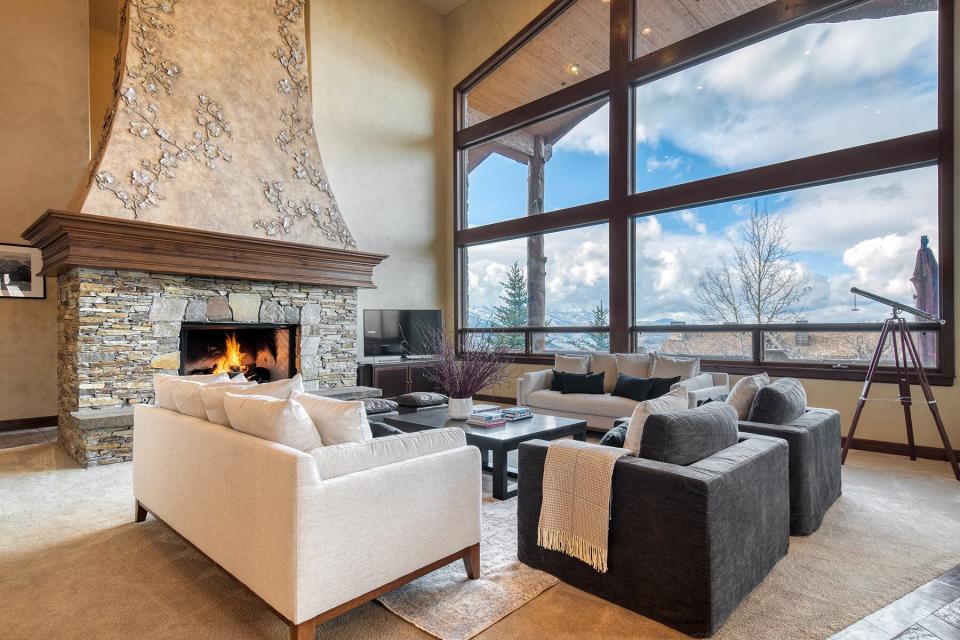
{"x": 212, "y": 126}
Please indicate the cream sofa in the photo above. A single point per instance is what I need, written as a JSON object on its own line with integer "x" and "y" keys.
{"x": 313, "y": 533}
{"x": 600, "y": 411}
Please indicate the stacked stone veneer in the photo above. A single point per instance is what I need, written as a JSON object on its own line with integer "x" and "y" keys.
{"x": 119, "y": 328}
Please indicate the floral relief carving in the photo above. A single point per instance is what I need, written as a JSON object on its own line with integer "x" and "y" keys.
{"x": 155, "y": 72}
{"x": 294, "y": 140}
{"x": 202, "y": 147}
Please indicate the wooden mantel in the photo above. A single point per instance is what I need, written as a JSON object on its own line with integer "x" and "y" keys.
{"x": 70, "y": 240}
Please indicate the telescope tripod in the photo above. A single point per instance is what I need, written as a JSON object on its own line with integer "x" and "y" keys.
{"x": 906, "y": 360}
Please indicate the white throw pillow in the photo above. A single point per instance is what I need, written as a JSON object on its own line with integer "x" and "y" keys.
{"x": 572, "y": 364}
{"x": 634, "y": 364}
{"x": 164, "y": 386}
{"x": 338, "y": 421}
{"x": 670, "y": 367}
{"x": 282, "y": 421}
{"x": 281, "y": 388}
{"x": 189, "y": 401}
{"x": 742, "y": 395}
{"x": 699, "y": 381}
{"x": 674, "y": 400}
{"x": 211, "y": 396}
{"x": 606, "y": 362}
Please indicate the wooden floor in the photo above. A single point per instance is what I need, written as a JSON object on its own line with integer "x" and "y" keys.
{"x": 23, "y": 437}
{"x": 931, "y": 612}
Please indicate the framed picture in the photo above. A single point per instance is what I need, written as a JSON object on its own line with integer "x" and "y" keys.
{"x": 19, "y": 272}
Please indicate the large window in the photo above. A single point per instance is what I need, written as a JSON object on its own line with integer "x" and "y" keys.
{"x": 714, "y": 184}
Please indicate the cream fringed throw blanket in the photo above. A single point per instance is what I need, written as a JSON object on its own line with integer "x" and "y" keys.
{"x": 575, "y": 513}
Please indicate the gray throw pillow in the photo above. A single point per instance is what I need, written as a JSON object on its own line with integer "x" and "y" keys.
{"x": 779, "y": 402}
{"x": 688, "y": 436}
{"x": 615, "y": 437}
{"x": 421, "y": 399}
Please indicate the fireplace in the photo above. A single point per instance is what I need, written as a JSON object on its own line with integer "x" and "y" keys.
{"x": 261, "y": 352}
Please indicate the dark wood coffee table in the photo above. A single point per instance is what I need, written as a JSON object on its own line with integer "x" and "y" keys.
{"x": 495, "y": 442}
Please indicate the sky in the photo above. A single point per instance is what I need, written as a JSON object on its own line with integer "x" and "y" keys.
{"x": 818, "y": 88}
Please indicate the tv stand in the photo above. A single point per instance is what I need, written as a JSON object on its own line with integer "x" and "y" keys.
{"x": 395, "y": 377}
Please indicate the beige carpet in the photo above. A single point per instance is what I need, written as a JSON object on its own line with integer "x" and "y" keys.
{"x": 449, "y": 606}
{"x": 72, "y": 565}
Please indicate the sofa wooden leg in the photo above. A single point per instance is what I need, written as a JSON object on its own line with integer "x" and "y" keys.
{"x": 471, "y": 562}
{"x": 304, "y": 631}
{"x": 141, "y": 513}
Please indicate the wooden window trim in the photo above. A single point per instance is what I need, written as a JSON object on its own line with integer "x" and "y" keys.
{"x": 616, "y": 85}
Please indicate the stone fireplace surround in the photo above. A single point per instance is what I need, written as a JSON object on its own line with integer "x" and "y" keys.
{"x": 125, "y": 288}
{"x": 119, "y": 328}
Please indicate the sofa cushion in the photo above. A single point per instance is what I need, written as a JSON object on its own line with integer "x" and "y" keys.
{"x": 164, "y": 386}
{"x": 688, "y": 436}
{"x": 338, "y": 421}
{"x": 616, "y": 437}
{"x": 744, "y": 391}
{"x": 421, "y": 399}
{"x": 605, "y": 406}
{"x": 212, "y": 395}
{"x": 662, "y": 385}
{"x": 669, "y": 366}
{"x": 673, "y": 400}
{"x": 572, "y": 364}
{"x": 779, "y": 402}
{"x": 556, "y": 382}
{"x": 633, "y": 387}
{"x": 189, "y": 397}
{"x": 283, "y": 421}
{"x": 634, "y": 364}
{"x": 341, "y": 459}
{"x": 591, "y": 383}
{"x": 607, "y": 363}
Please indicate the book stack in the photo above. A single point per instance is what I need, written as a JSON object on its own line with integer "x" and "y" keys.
{"x": 516, "y": 413}
{"x": 487, "y": 419}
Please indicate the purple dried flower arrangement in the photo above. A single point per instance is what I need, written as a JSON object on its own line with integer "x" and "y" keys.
{"x": 480, "y": 365}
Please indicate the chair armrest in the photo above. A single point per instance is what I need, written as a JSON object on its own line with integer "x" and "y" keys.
{"x": 721, "y": 379}
{"x": 698, "y": 395}
{"x": 533, "y": 381}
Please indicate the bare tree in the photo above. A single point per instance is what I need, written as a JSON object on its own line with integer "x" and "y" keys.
{"x": 758, "y": 284}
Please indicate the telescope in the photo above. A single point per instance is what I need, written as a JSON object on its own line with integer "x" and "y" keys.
{"x": 908, "y": 368}
{"x": 897, "y": 305}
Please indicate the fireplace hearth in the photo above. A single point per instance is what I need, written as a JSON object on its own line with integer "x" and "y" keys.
{"x": 261, "y": 352}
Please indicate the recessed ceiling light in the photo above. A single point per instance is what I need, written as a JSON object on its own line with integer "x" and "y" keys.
{"x": 646, "y": 31}
{"x": 574, "y": 69}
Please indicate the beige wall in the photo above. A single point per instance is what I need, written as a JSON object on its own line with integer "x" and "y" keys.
{"x": 478, "y": 28}
{"x": 377, "y": 69}
{"x": 378, "y": 105}
{"x": 43, "y": 151}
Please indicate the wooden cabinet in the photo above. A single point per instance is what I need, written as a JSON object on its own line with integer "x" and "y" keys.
{"x": 394, "y": 377}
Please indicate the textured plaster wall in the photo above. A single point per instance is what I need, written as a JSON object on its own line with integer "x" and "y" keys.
{"x": 379, "y": 107}
{"x": 381, "y": 114}
{"x": 478, "y": 28}
{"x": 43, "y": 150}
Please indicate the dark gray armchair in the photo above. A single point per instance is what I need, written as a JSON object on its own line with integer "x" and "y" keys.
{"x": 686, "y": 543}
{"x": 780, "y": 411}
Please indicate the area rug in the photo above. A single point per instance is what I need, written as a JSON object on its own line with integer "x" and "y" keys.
{"x": 450, "y": 606}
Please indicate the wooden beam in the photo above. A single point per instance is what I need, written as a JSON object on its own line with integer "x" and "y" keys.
{"x": 69, "y": 240}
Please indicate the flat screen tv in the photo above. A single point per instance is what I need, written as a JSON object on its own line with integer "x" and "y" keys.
{"x": 399, "y": 332}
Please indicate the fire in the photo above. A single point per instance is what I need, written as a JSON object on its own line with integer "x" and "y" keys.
{"x": 232, "y": 358}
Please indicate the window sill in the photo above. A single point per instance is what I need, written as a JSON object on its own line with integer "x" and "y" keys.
{"x": 779, "y": 370}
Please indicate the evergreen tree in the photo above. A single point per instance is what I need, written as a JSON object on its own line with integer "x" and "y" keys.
{"x": 512, "y": 312}
{"x": 600, "y": 317}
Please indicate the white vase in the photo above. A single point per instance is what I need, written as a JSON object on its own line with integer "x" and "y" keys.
{"x": 460, "y": 408}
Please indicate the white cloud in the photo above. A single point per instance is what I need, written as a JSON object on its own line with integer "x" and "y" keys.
{"x": 770, "y": 102}
{"x": 592, "y": 135}
{"x": 691, "y": 220}
{"x": 834, "y": 217}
